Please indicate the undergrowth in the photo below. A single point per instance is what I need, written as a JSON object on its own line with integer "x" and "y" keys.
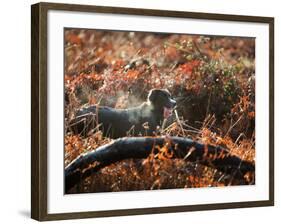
{"x": 211, "y": 78}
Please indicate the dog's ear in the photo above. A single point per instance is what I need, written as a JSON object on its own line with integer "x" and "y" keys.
{"x": 152, "y": 95}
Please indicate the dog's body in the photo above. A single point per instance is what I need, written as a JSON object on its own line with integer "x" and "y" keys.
{"x": 142, "y": 120}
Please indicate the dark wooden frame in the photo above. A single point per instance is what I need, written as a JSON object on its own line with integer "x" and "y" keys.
{"x": 39, "y": 110}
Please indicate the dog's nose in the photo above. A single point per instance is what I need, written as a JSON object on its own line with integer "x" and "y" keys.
{"x": 173, "y": 102}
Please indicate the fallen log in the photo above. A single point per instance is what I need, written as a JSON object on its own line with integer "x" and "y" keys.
{"x": 141, "y": 147}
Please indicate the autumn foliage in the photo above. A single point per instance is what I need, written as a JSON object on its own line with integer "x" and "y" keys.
{"x": 212, "y": 79}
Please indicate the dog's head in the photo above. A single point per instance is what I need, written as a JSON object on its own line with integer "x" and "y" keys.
{"x": 162, "y": 101}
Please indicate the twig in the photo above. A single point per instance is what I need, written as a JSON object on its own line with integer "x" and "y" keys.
{"x": 232, "y": 126}
{"x": 238, "y": 138}
{"x": 195, "y": 129}
{"x": 179, "y": 122}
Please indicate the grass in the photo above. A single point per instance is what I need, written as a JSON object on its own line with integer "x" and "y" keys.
{"x": 212, "y": 79}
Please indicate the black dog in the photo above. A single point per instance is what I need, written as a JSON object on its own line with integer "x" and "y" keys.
{"x": 142, "y": 120}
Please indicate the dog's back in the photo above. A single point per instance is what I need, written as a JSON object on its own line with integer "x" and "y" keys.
{"x": 113, "y": 122}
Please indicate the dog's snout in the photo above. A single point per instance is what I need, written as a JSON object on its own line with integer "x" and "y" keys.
{"x": 173, "y": 102}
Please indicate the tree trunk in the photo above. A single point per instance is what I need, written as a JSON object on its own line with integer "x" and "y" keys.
{"x": 140, "y": 147}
